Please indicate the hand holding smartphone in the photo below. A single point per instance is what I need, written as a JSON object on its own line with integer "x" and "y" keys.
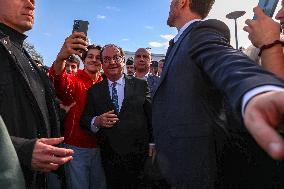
{"x": 81, "y": 26}
{"x": 268, "y": 7}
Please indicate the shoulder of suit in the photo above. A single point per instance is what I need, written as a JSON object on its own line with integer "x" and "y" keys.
{"x": 4, "y": 41}
{"x": 98, "y": 85}
{"x": 214, "y": 24}
{"x": 139, "y": 80}
{"x": 136, "y": 80}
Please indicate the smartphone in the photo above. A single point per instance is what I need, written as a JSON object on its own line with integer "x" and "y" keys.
{"x": 268, "y": 7}
{"x": 81, "y": 26}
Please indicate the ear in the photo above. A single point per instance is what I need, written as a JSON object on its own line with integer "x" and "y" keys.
{"x": 183, "y": 3}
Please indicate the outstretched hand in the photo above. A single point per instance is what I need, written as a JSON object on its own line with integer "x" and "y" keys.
{"x": 263, "y": 118}
{"x": 47, "y": 157}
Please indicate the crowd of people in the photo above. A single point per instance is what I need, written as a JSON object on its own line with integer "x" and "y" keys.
{"x": 205, "y": 117}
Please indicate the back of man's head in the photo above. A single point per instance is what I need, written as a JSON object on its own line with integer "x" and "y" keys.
{"x": 201, "y": 7}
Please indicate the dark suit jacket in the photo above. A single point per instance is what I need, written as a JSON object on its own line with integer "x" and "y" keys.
{"x": 19, "y": 108}
{"x": 201, "y": 70}
{"x": 132, "y": 133}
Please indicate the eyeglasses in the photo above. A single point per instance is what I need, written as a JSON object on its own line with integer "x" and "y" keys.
{"x": 115, "y": 58}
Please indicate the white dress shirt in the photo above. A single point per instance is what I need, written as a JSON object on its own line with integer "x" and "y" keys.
{"x": 184, "y": 28}
{"x": 120, "y": 84}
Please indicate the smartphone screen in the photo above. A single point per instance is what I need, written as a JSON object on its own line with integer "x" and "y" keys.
{"x": 268, "y": 7}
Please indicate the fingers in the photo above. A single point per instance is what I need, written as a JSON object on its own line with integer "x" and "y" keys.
{"x": 43, "y": 167}
{"x": 46, "y": 157}
{"x": 250, "y": 26}
{"x": 107, "y": 120}
{"x": 110, "y": 114}
{"x": 71, "y": 45}
{"x": 263, "y": 115}
{"x": 74, "y": 46}
{"x": 45, "y": 146}
{"x": 268, "y": 138}
{"x": 51, "y": 141}
{"x": 249, "y": 22}
{"x": 78, "y": 35}
{"x": 247, "y": 29}
{"x": 258, "y": 12}
{"x": 61, "y": 152}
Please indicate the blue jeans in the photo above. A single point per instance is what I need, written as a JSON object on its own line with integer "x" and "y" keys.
{"x": 85, "y": 170}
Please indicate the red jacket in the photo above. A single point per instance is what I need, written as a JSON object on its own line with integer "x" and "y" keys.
{"x": 73, "y": 88}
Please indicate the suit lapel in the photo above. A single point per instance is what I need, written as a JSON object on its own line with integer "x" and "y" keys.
{"x": 105, "y": 89}
{"x": 171, "y": 53}
{"x": 128, "y": 91}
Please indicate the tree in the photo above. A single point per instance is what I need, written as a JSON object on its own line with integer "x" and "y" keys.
{"x": 33, "y": 52}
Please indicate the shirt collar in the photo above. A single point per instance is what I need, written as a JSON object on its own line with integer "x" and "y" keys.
{"x": 15, "y": 36}
{"x": 184, "y": 28}
{"x": 145, "y": 76}
{"x": 120, "y": 81}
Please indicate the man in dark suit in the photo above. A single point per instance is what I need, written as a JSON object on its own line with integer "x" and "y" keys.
{"x": 188, "y": 122}
{"x": 27, "y": 100}
{"x": 118, "y": 109}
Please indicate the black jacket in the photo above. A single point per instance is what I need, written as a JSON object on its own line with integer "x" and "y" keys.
{"x": 19, "y": 108}
{"x": 133, "y": 132}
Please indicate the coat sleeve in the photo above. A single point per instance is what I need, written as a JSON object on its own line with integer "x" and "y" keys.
{"x": 228, "y": 69}
{"x": 24, "y": 147}
{"x": 64, "y": 85}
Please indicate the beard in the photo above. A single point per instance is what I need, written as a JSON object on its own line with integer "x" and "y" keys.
{"x": 172, "y": 14}
{"x": 170, "y": 21}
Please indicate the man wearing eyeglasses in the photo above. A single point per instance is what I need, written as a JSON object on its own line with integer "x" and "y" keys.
{"x": 118, "y": 110}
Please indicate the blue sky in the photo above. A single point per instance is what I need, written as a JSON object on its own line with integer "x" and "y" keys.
{"x": 128, "y": 23}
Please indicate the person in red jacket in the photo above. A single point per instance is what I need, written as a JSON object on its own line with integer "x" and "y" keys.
{"x": 85, "y": 171}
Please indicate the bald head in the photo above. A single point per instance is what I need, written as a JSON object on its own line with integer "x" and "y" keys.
{"x": 142, "y": 60}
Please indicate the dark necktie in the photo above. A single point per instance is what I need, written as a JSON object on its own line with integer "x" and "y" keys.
{"x": 115, "y": 97}
{"x": 171, "y": 44}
